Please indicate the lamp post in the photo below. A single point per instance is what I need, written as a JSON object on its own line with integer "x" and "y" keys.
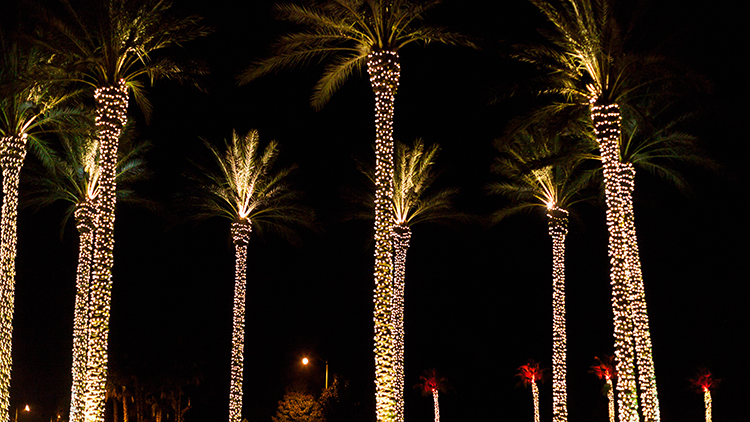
{"x": 305, "y": 361}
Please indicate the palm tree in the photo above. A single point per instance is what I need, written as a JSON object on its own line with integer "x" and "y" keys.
{"x": 530, "y": 373}
{"x": 246, "y": 191}
{"x": 605, "y": 369}
{"x": 110, "y": 46}
{"x": 592, "y": 72}
{"x": 29, "y": 104}
{"x": 431, "y": 384}
{"x": 72, "y": 176}
{"x": 705, "y": 382}
{"x": 358, "y": 33}
{"x": 541, "y": 175}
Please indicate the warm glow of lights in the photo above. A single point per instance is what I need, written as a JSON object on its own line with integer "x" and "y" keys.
{"x": 27, "y": 409}
{"x": 401, "y": 239}
{"x": 632, "y": 334}
{"x": 432, "y": 383}
{"x": 305, "y": 361}
{"x": 558, "y": 230}
{"x": 241, "y": 230}
{"x": 12, "y": 154}
{"x": 530, "y": 373}
{"x": 705, "y": 382}
{"x": 111, "y": 109}
{"x": 606, "y": 370}
{"x": 384, "y": 70}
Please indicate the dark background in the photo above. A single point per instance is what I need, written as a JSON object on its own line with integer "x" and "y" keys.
{"x": 477, "y": 299}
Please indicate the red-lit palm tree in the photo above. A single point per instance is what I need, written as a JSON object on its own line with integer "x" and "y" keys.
{"x": 605, "y": 369}
{"x": 356, "y": 34}
{"x": 530, "y": 373}
{"x": 705, "y": 382}
{"x": 431, "y": 383}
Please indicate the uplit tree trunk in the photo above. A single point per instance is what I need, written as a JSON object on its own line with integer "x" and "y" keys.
{"x": 111, "y": 116}
{"x": 707, "y": 403}
{"x": 606, "y": 119}
{"x": 384, "y": 70}
{"x": 241, "y": 230}
{"x": 125, "y": 417}
{"x": 437, "y": 406}
{"x": 558, "y": 230}
{"x": 12, "y": 154}
{"x": 535, "y": 394}
{"x": 401, "y": 239}
{"x": 84, "y": 216}
{"x": 611, "y": 400}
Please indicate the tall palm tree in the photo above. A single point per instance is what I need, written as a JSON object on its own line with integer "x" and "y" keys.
{"x": 359, "y": 33}
{"x": 591, "y": 70}
{"x": 605, "y": 369}
{"x": 72, "y": 175}
{"x": 705, "y": 382}
{"x": 541, "y": 175}
{"x": 29, "y": 103}
{"x": 431, "y": 383}
{"x": 247, "y": 191}
{"x": 530, "y": 373}
{"x": 111, "y": 46}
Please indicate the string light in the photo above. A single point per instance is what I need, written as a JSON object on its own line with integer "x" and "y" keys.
{"x": 705, "y": 382}
{"x": 384, "y": 70}
{"x": 111, "y": 109}
{"x": 12, "y": 154}
{"x": 432, "y": 383}
{"x": 530, "y": 373}
{"x": 241, "y": 230}
{"x": 401, "y": 239}
{"x": 558, "y": 230}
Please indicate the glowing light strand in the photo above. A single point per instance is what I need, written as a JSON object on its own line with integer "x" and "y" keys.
{"x": 401, "y": 239}
{"x": 241, "y": 230}
{"x": 84, "y": 217}
{"x": 558, "y": 230}
{"x": 705, "y": 382}
{"x": 111, "y": 109}
{"x": 12, "y": 154}
{"x": 605, "y": 370}
{"x": 530, "y": 373}
{"x": 437, "y": 405}
{"x": 606, "y": 119}
{"x": 384, "y": 70}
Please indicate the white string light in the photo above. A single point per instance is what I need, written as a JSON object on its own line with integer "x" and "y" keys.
{"x": 401, "y": 239}
{"x": 241, "y": 230}
{"x": 558, "y": 230}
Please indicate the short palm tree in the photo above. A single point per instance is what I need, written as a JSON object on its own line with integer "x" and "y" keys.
{"x": 248, "y": 191}
{"x": 530, "y": 374}
{"x": 72, "y": 175}
{"x": 355, "y": 34}
{"x": 605, "y": 369}
{"x": 111, "y": 47}
{"x": 705, "y": 382}
{"x": 539, "y": 174}
{"x": 29, "y": 103}
{"x": 431, "y": 383}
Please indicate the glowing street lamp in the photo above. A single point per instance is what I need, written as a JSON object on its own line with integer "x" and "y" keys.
{"x": 305, "y": 361}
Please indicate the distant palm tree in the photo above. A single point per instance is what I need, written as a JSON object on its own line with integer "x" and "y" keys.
{"x": 72, "y": 175}
{"x": 431, "y": 384}
{"x": 111, "y": 46}
{"x": 605, "y": 369}
{"x": 247, "y": 191}
{"x": 705, "y": 382}
{"x": 29, "y": 104}
{"x": 530, "y": 373}
{"x": 356, "y": 33}
{"x": 539, "y": 174}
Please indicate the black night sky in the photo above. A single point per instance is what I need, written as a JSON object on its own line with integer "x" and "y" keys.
{"x": 478, "y": 299}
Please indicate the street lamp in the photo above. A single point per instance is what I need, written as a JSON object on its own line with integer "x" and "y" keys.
{"x": 305, "y": 361}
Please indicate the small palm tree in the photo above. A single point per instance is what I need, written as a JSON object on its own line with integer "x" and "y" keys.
{"x": 355, "y": 34}
{"x": 72, "y": 176}
{"x": 431, "y": 384}
{"x": 111, "y": 47}
{"x": 605, "y": 369}
{"x": 530, "y": 373}
{"x": 705, "y": 382}
{"x": 541, "y": 173}
{"x": 29, "y": 104}
{"x": 247, "y": 191}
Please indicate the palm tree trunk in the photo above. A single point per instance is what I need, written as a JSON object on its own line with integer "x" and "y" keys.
{"x": 111, "y": 116}
{"x": 125, "y": 397}
{"x": 383, "y": 67}
{"x": 535, "y": 394}
{"x": 437, "y": 406}
{"x": 241, "y": 230}
{"x": 84, "y": 215}
{"x": 12, "y": 154}
{"x": 611, "y": 400}
{"x": 558, "y": 230}
{"x": 401, "y": 238}
{"x": 707, "y": 403}
{"x": 606, "y": 119}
